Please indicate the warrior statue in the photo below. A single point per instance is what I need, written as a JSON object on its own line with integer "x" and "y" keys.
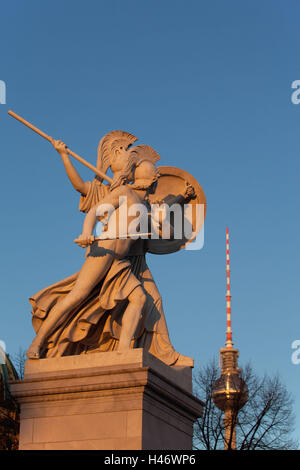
{"x": 112, "y": 303}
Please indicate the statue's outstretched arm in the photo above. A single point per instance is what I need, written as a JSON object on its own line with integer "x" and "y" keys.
{"x": 76, "y": 180}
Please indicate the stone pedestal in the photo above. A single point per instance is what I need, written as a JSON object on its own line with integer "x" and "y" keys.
{"x": 108, "y": 401}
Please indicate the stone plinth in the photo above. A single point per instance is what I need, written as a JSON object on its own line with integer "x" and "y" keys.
{"x": 108, "y": 401}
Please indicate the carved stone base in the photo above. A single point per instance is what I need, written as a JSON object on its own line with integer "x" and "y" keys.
{"x": 108, "y": 401}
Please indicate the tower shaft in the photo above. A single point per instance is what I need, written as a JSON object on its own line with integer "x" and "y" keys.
{"x": 229, "y": 420}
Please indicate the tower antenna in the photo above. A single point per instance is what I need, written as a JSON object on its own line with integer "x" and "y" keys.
{"x": 229, "y": 342}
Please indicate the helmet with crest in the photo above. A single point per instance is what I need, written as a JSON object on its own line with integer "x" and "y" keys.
{"x": 145, "y": 152}
{"x": 138, "y": 155}
{"x": 108, "y": 143}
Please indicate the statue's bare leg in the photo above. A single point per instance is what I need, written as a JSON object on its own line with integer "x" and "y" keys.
{"x": 92, "y": 271}
{"x": 131, "y": 317}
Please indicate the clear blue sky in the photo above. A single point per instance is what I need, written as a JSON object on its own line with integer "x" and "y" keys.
{"x": 208, "y": 85}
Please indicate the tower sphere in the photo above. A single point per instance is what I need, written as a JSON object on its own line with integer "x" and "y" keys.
{"x": 230, "y": 391}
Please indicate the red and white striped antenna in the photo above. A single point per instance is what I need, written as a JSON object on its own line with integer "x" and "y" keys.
{"x": 229, "y": 342}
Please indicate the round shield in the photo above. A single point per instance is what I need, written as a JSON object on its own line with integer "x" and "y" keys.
{"x": 186, "y": 216}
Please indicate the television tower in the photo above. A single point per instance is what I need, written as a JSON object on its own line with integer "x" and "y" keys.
{"x": 230, "y": 392}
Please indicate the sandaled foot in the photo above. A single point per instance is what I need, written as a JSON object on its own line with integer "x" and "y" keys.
{"x": 33, "y": 352}
{"x": 184, "y": 361}
{"x": 122, "y": 350}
